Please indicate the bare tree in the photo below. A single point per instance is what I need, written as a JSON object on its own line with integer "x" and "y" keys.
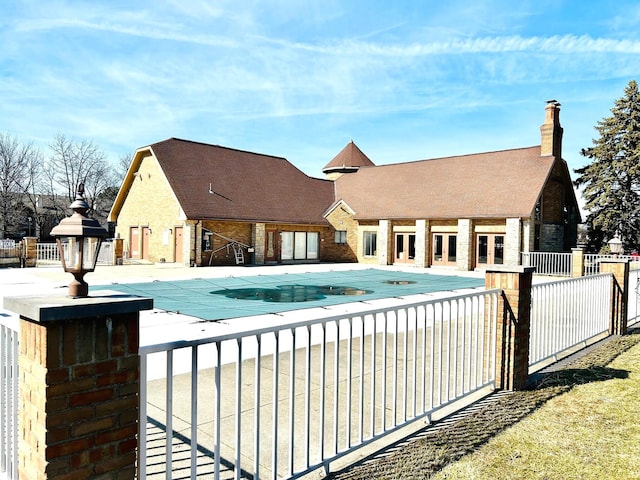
{"x": 42, "y": 215}
{"x": 72, "y": 163}
{"x": 16, "y": 159}
{"x": 122, "y": 166}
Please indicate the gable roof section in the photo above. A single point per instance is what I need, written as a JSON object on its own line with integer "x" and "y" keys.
{"x": 493, "y": 184}
{"x": 218, "y": 183}
{"x": 349, "y": 158}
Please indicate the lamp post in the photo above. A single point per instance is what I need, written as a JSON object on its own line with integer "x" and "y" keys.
{"x": 79, "y": 238}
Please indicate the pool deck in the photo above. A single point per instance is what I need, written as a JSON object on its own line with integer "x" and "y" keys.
{"x": 162, "y": 325}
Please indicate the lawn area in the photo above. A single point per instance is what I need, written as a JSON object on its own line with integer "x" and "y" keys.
{"x": 590, "y": 432}
{"x": 578, "y": 422}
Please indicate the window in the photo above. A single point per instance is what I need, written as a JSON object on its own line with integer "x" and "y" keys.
{"x": 300, "y": 245}
{"x": 370, "y": 244}
{"x": 286, "y": 245}
{"x": 341, "y": 236}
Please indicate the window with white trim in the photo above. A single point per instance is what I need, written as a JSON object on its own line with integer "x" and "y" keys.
{"x": 370, "y": 244}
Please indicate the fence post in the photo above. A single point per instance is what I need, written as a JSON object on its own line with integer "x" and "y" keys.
{"x": 514, "y": 313}
{"x": 30, "y": 251}
{"x": 79, "y": 384}
{"x": 619, "y": 290}
{"x": 118, "y": 251}
{"x": 577, "y": 262}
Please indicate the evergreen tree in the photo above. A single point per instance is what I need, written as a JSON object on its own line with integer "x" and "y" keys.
{"x": 612, "y": 180}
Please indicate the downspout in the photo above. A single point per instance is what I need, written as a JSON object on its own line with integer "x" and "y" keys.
{"x": 195, "y": 243}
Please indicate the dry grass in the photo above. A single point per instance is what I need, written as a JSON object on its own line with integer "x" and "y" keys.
{"x": 576, "y": 423}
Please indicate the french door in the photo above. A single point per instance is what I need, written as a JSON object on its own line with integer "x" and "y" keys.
{"x": 405, "y": 248}
{"x": 490, "y": 250}
{"x": 444, "y": 249}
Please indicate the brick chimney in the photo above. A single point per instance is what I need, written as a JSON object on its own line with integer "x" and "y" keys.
{"x": 551, "y": 131}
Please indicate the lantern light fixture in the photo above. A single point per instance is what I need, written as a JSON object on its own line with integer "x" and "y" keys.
{"x": 615, "y": 245}
{"x": 79, "y": 238}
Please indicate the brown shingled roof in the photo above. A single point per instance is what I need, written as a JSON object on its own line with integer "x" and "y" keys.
{"x": 350, "y": 157}
{"x": 218, "y": 183}
{"x": 493, "y": 184}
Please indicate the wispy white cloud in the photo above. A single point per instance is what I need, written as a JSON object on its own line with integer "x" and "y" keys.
{"x": 128, "y": 73}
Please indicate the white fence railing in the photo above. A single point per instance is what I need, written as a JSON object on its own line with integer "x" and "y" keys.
{"x": 592, "y": 262}
{"x": 9, "y": 335}
{"x": 283, "y": 401}
{"x": 560, "y": 264}
{"x": 48, "y": 253}
{"x": 633, "y": 298}
{"x": 278, "y": 402}
{"x": 566, "y": 315}
{"x": 548, "y": 263}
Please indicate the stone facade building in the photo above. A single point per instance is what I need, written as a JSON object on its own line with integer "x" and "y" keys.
{"x": 200, "y": 204}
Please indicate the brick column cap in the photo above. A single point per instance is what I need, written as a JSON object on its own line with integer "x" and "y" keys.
{"x": 510, "y": 269}
{"x": 51, "y": 308}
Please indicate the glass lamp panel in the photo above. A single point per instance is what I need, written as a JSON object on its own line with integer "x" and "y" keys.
{"x": 91, "y": 248}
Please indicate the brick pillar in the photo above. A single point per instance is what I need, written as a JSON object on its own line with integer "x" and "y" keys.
{"x": 577, "y": 262}
{"x": 79, "y": 384}
{"x": 514, "y": 312}
{"x": 30, "y": 251}
{"x": 118, "y": 251}
{"x": 619, "y": 292}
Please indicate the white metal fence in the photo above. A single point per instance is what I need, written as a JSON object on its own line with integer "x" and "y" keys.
{"x": 48, "y": 253}
{"x": 9, "y": 333}
{"x": 548, "y": 263}
{"x": 633, "y": 298}
{"x": 281, "y": 402}
{"x": 277, "y": 402}
{"x": 567, "y": 315}
{"x": 592, "y": 262}
{"x": 560, "y": 264}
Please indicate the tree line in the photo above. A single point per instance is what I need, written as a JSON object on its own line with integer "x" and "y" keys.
{"x": 36, "y": 187}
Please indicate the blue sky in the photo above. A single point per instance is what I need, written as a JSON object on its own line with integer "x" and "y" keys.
{"x": 406, "y": 80}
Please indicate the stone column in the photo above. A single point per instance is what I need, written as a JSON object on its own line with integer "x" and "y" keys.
{"x": 258, "y": 238}
{"x": 513, "y": 329}
{"x": 619, "y": 292}
{"x": 384, "y": 245}
{"x": 465, "y": 255}
{"x": 79, "y": 385}
{"x": 422, "y": 245}
{"x": 513, "y": 241}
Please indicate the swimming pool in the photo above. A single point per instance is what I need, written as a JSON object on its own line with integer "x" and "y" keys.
{"x": 232, "y": 297}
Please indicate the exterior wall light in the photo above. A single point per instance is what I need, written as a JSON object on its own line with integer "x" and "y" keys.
{"x": 79, "y": 238}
